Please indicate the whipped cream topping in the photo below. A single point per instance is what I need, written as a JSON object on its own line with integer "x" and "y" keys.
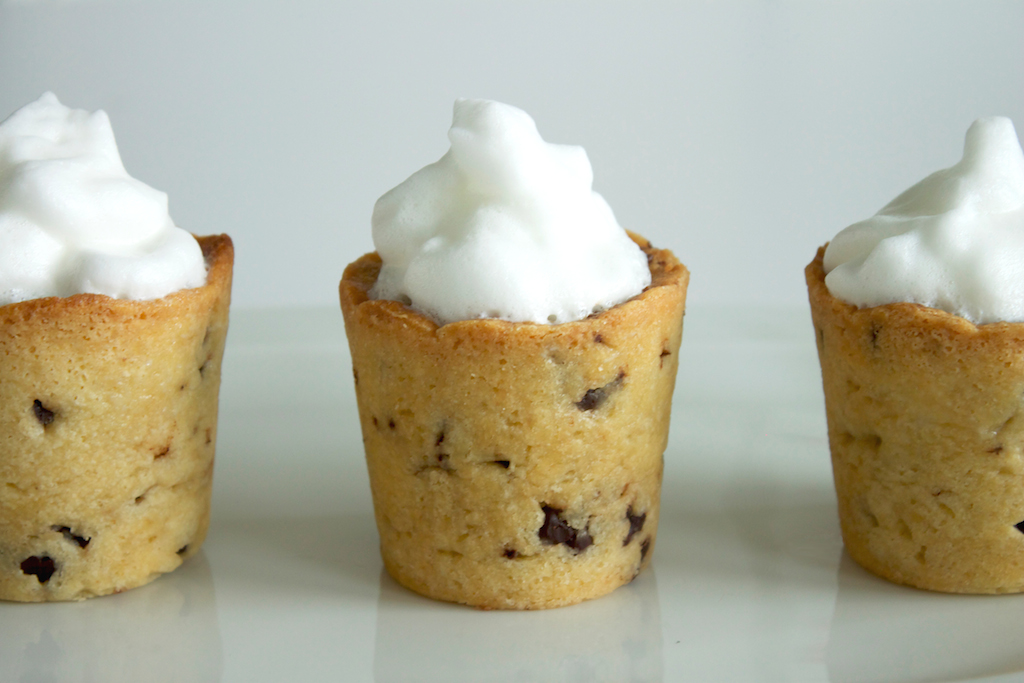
{"x": 504, "y": 225}
{"x": 954, "y": 241}
{"x": 73, "y": 221}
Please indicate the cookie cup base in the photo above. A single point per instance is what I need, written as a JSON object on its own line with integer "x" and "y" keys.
{"x": 926, "y": 430}
{"x": 108, "y": 423}
{"x": 516, "y": 465}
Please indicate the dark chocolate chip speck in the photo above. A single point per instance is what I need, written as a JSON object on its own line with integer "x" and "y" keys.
{"x": 183, "y": 549}
{"x": 644, "y": 547}
{"x": 503, "y": 463}
{"x": 71, "y": 536}
{"x": 440, "y": 439}
{"x": 1020, "y": 527}
{"x": 40, "y": 567}
{"x": 556, "y": 530}
{"x": 592, "y": 399}
{"x": 595, "y": 397}
{"x": 42, "y": 414}
{"x": 636, "y": 523}
{"x": 510, "y": 553}
{"x": 391, "y": 424}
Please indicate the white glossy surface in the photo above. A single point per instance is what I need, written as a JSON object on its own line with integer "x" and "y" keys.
{"x": 749, "y": 581}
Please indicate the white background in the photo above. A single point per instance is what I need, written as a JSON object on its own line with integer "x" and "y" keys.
{"x": 742, "y": 135}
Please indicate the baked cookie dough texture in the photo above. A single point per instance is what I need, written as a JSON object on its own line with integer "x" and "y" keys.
{"x": 514, "y": 352}
{"x": 108, "y": 423}
{"x": 925, "y": 407}
{"x": 516, "y": 465}
{"x": 112, "y": 329}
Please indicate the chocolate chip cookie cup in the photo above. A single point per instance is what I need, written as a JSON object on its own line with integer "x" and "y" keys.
{"x": 516, "y": 465}
{"x": 926, "y": 427}
{"x": 108, "y": 423}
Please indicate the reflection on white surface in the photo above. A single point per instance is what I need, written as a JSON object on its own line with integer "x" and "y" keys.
{"x": 748, "y": 540}
{"x": 615, "y": 638}
{"x": 165, "y": 631}
{"x": 298, "y": 595}
{"x": 917, "y": 636}
{"x": 752, "y": 583}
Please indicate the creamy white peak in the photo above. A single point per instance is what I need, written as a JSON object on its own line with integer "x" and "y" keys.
{"x": 72, "y": 221}
{"x": 954, "y": 241}
{"x": 504, "y": 226}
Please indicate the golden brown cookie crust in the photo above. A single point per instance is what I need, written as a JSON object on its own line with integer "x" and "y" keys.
{"x": 926, "y": 430}
{"x": 108, "y": 422}
{"x": 516, "y": 465}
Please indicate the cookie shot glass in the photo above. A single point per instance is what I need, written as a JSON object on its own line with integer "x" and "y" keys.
{"x": 514, "y": 428}
{"x": 919, "y": 321}
{"x": 112, "y": 330}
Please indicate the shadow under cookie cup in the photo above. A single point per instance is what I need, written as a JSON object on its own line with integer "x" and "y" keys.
{"x": 108, "y": 423}
{"x": 925, "y": 415}
{"x": 516, "y": 465}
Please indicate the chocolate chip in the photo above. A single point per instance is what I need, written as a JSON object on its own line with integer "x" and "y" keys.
{"x": 595, "y": 397}
{"x": 40, "y": 567}
{"x": 442, "y": 464}
{"x": 592, "y": 399}
{"x": 391, "y": 424}
{"x": 510, "y": 553}
{"x": 556, "y": 530}
{"x": 1020, "y": 526}
{"x": 440, "y": 438}
{"x": 644, "y": 547}
{"x": 636, "y": 523}
{"x": 42, "y": 414}
{"x": 183, "y": 549}
{"x": 69, "y": 535}
{"x": 598, "y": 339}
{"x": 503, "y": 463}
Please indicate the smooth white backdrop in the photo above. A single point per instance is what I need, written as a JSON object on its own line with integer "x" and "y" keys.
{"x": 740, "y": 134}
